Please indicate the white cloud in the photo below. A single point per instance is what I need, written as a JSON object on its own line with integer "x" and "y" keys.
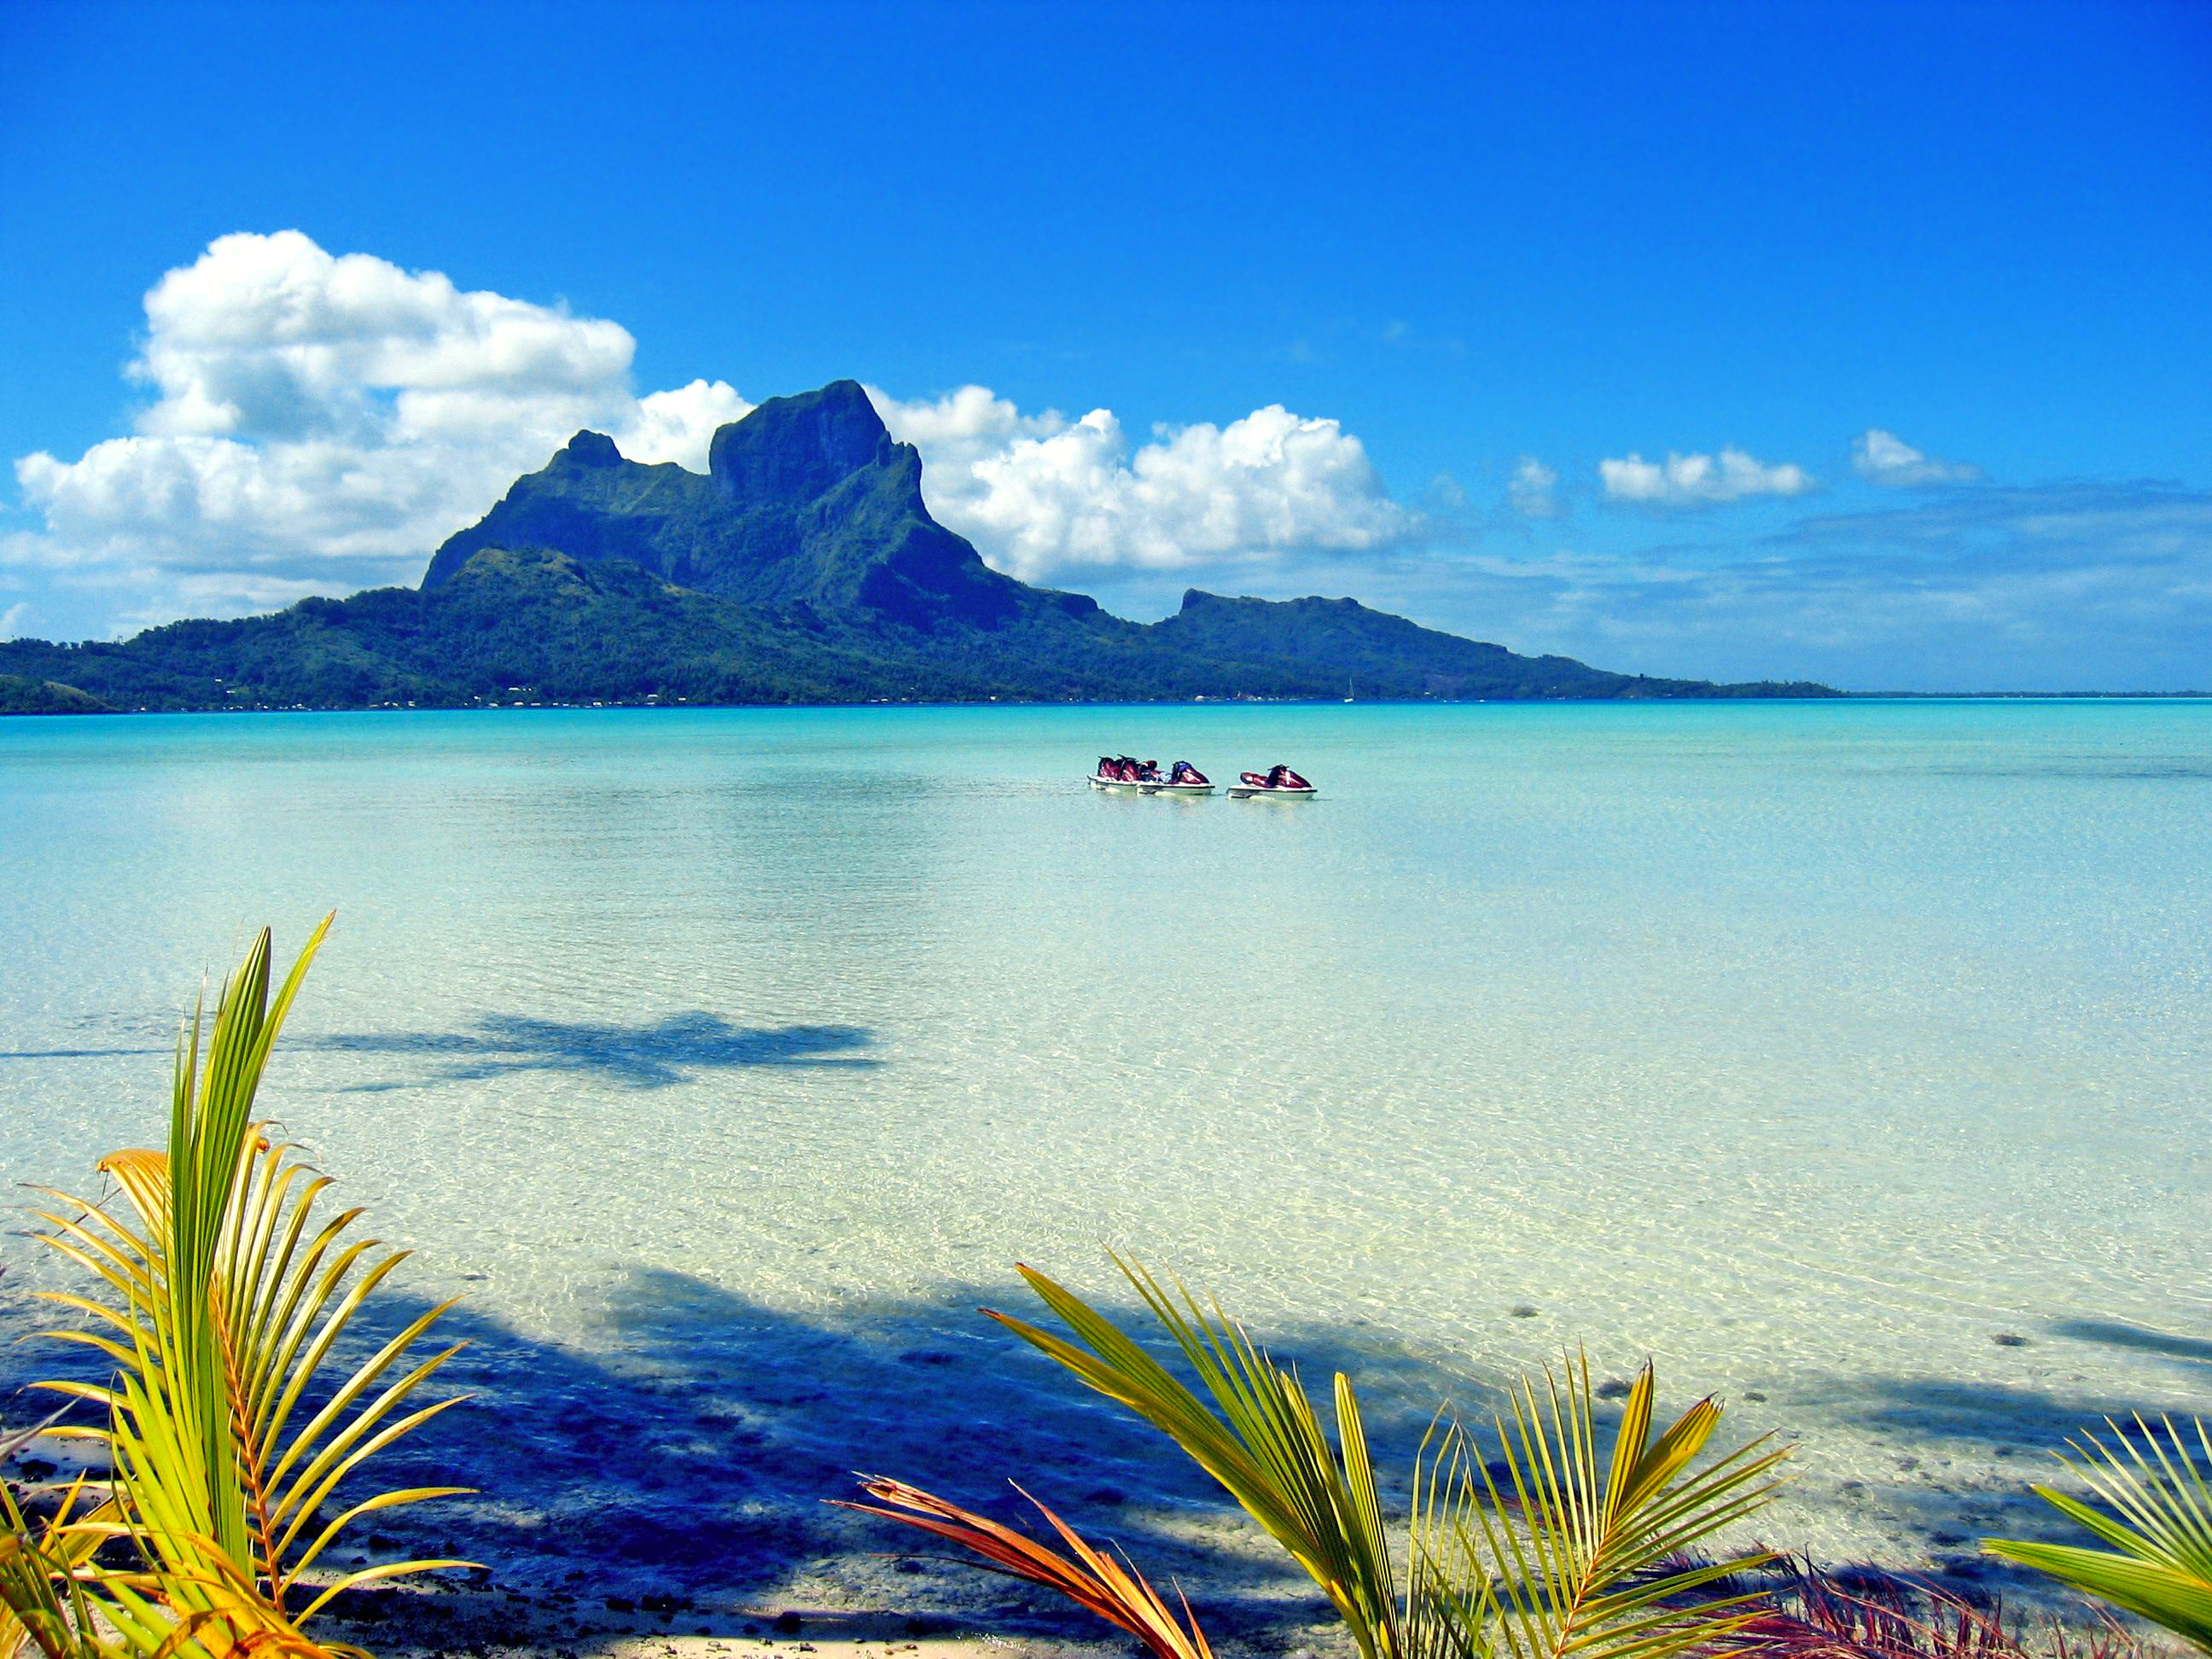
{"x": 1041, "y": 496}
{"x": 1885, "y": 458}
{"x": 14, "y": 619}
{"x": 322, "y": 421}
{"x": 269, "y": 337}
{"x": 1699, "y": 480}
{"x": 319, "y": 421}
{"x": 1531, "y": 491}
{"x": 678, "y": 426}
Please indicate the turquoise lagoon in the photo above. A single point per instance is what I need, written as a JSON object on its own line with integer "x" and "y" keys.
{"x": 1850, "y": 1059}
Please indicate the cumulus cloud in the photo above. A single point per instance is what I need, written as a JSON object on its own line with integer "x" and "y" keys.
{"x": 1883, "y": 458}
{"x": 318, "y": 421}
{"x": 315, "y": 423}
{"x": 1042, "y": 495}
{"x": 1531, "y": 492}
{"x": 679, "y": 425}
{"x": 270, "y": 337}
{"x": 1699, "y": 480}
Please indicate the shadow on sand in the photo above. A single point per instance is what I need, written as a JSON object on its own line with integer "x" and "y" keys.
{"x": 675, "y": 1455}
{"x": 647, "y": 1056}
{"x": 664, "y": 1468}
{"x": 2137, "y": 1339}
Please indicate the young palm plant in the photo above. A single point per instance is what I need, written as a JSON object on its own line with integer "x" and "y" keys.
{"x": 55, "y": 1603}
{"x": 221, "y": 1300}
{"x": 1548, "y": 1551}
{"x": 2157, "y": 1521}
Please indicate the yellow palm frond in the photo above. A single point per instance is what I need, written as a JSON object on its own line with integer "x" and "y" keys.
{"x": 240, "y": 1405}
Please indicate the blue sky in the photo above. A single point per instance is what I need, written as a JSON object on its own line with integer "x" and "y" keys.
{"x": 1916, "y": 296}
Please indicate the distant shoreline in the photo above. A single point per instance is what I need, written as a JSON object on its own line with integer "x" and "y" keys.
{"x": 680, "y": 705}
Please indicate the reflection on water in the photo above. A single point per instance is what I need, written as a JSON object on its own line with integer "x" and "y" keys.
{"x": 1849, "y": 1058}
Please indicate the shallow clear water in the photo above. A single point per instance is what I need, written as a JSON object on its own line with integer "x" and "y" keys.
{"x": 725, "y": 1060}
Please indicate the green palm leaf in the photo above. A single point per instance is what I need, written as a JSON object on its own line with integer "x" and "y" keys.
{"x": 231, "y": 1419}
{"x": 42, "y": 1604}
{"x": 1548, "y": 1552}
{"x": 1260, "y": 1439}
{"x": 2157, "y": 1523}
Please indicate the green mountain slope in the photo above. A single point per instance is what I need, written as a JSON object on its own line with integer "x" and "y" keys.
{"x": 545, "y": 626}
{"x": 19, "y": 695}
{"x": 806, "y": 502}
{"x": 802, "y": 567}
{"x": 538, "y": 624}
{"x": 1374, "y": 654}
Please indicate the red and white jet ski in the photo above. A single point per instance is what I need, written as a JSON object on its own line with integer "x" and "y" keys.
{"x": 1276, "y": 783}
{"x": 1145, "y": 778}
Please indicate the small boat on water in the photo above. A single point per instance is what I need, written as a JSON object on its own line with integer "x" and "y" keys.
{"x": 1145, "y": 778}
{"x": 1276, "y": 783}
{"x": 1135, "y": 777}
{"x": 1184, "y": 779}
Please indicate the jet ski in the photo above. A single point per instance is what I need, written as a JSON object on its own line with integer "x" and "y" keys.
{"x": 1138, "y": 777}
{"x": 1277, "y": 783}
{"x": 1184, "y": 779}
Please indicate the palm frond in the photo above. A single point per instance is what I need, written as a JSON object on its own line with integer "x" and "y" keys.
{"x": 226, "y": 1300}
{"x": 1093, "y": 1580}
{"x": 1549, "y": 1550}
{"x": 2156, "y": 1523}
{"x": 1825, "y": 1615}
{"x": 42, "y": 1605}
{"x": 217, "y": 1611}
{"x": 1260, "y": 1437}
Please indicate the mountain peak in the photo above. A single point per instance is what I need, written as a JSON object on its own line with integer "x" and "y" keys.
{"x": 812, "y": 518}
{"x": 807, "y": 501}
{"x": 589, "y": 449}
{"x": 796, "y": 448}
{"x": 806, "y": 567}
